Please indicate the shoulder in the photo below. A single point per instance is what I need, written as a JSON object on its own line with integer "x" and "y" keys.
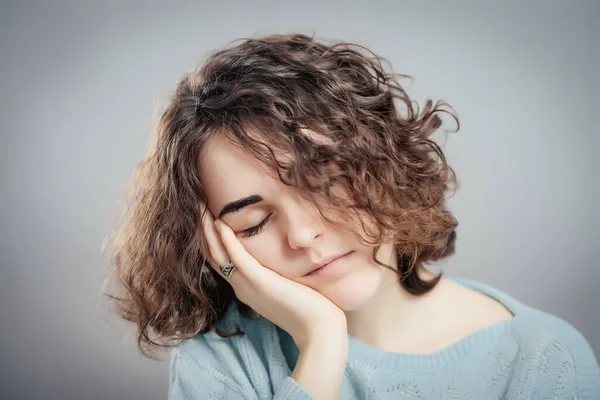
{"x": 210, "y": 349}
{"x": 559, "y": 359}
{"x": 240, "y": 363}
{"x": 533, "y": 326}
{"x": 539, "y": 330}
{"x": 553, "y": 355}
{"x": 209, "y": 362}
{"x": 257, "y": 336}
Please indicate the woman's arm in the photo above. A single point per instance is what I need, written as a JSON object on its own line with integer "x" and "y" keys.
{"x": 320, "y": 367}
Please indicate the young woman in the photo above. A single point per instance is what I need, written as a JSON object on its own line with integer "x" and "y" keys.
{"x": 277, "y": 236}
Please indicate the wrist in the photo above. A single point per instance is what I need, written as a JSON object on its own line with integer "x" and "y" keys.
{"x": 331, "y": 343}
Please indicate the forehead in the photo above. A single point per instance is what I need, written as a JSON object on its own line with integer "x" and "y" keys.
{"x": 227, "y": 172}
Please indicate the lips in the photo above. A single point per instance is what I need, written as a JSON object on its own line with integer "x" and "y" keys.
{"x": 318, "y": 265}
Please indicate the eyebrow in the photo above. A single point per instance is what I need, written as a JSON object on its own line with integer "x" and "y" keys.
{"x": 237, "y": 205}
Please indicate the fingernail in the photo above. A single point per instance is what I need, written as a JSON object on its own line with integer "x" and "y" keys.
{"x": 217, "y": 226}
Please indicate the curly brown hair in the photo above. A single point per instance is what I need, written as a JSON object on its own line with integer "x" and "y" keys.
{"x": 277, "y": 84}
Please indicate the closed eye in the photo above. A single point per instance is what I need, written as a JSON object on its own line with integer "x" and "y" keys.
{"x": 256, "y": 229}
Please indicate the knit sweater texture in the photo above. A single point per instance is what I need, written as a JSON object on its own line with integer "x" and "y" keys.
{"x": 533, "y": 355}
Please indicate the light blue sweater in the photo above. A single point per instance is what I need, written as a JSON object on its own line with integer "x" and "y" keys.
{"x": 532, "y": 356}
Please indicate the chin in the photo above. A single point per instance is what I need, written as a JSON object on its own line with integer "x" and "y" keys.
{"x": 353, "y": 290}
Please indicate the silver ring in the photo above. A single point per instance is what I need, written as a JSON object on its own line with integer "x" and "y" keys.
{"x": 227, "y": 268}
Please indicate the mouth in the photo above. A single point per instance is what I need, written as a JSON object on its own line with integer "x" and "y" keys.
{"x": 331, "y": 266}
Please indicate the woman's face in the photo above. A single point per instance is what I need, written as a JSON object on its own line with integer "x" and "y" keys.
{"x": 294, "y": 236}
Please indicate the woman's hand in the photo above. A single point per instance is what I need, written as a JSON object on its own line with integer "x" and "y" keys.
{"x": 298, "y": 309}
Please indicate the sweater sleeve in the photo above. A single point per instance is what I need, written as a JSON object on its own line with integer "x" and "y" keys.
{"x": 192, "y": 380}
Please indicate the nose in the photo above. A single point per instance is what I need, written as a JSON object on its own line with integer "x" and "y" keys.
{"x": 305, "y": 224}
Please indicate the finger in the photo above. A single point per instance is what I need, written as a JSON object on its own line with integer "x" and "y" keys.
{"x": 247, "y": 264}
{"x": 217, "y": 252}
{"x": 205, "y": 223}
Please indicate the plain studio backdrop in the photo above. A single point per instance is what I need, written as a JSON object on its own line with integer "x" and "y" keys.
{"x": 82, "y": 84}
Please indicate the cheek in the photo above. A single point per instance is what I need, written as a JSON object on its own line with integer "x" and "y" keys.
{"x": 267, "y": 249}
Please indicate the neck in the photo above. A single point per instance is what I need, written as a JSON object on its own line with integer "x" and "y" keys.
{"x": 393, "y": 309}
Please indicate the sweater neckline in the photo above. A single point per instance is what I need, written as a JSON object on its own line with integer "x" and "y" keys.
{"x": 480, "y": 341}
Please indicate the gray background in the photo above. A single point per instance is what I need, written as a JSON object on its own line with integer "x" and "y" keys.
{"x": 81, "y": 86}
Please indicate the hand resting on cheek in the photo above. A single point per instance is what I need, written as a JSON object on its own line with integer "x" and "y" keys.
{"x": 296, "y": 308}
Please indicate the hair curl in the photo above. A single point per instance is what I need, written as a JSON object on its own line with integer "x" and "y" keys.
{"x": 275, "y": 85}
